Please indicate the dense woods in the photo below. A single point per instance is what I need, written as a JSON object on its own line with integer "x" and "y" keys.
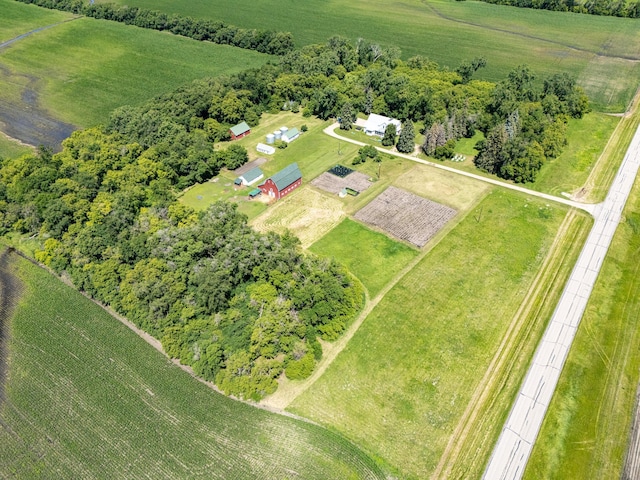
{"x": 264, "y": 41}
{"x": 242, "y": 307}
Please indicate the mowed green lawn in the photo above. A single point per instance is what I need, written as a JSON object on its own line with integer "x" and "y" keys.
{"x": 87, "y": 398}
{"x": 371, "y": 256}
{"x": 85, "y": 68}
{"x": 402, "y": 383}
{"x": 586, "y": 46}
{"x": 586, "y": 430}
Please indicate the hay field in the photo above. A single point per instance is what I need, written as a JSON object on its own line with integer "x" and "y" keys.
{"x": 400, "y": 386}
{"x": 306, "y": 212}
{"x": 87, "y": 398}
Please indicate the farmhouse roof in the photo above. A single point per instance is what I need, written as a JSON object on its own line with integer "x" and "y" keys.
{"x": 292, "y": 132}
{"x": 378, "y": 123}
{"x": 287, "y": 176}
{"x": 252, "y": 175}
{"x": 240, "y": 128}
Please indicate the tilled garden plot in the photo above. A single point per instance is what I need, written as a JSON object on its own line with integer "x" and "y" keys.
{"x": 406, "y": 216}
{"x": 331, "y": 183}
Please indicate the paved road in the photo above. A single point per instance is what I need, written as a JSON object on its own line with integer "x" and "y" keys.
{"x": 519, "y": 433}
{"x": 588, "y": 207}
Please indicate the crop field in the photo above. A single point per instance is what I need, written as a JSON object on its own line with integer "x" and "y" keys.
{"x": 450, "y": 32}
{"x": 586, "y": 430}
{"x": 371, "y": 256}
{"x": 406, "y": 216}
{"x": 400, "y": 386}
{"x": 202, "y": 195}
{"x": 18, "y": 18}
{"x": 81, "y": 70}
{"x": 86, "y": 396}
{"x": 307, "y": 213}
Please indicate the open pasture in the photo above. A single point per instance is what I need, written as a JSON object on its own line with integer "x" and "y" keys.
{"x": 585, "y": 46}
{"x": 81, "y": 70}
{"x": 87, "y": 398}
{"x": 371, "y": 256}
{"x": 307, "y": 213}
{"x": 406, "y": 216}
{"x": 401, "y": 385}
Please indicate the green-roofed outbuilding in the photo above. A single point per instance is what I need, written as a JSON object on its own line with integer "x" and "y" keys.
{"x": 239, "y": 131}
{"x": 283, "y": 182}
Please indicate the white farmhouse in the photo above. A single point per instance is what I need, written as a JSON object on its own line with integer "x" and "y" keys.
{"x": 377, "y": 124}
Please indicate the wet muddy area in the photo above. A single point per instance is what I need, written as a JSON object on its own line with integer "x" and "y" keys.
{"x": 24, "y": 119}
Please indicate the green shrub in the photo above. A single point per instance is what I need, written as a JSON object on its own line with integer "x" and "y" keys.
{"x": 300, "y": 369}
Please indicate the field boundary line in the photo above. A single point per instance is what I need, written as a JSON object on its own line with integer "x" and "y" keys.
{"x": 508, "y": 347}
{"x": 13, "y": 40}
{"x": 525, "y": 35}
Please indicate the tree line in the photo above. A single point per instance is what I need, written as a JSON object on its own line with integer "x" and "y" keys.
{"x": 614, "y": 8}
{"x": 242, "y": 307}
{"x": 215, "y": 31}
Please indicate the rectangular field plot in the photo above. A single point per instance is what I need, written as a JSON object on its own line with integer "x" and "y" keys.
{"x": 333, "y": 184}
{"x": 307, "y": 213}
{"x": 406, "y": 216}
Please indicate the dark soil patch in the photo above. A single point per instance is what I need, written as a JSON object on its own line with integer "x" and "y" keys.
{"x": 25, "y": 120}
{"x": 10, "y": 291}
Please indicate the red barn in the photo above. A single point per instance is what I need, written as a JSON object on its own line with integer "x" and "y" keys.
{"x": 282, "y": 183}
{"x": 239, "y": 131}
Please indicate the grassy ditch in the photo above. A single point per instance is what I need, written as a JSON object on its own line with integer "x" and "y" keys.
{"x": 85, "y": 395}
{"x": 471, "y": 445}
{"x": 585, "y": 431}
{"x": 402, "y": 384}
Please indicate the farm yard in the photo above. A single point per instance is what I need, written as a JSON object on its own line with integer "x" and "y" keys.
{"x": 221, "y": 188}
{"x": 406, "y": 216}
{"x": 85, "y": 395}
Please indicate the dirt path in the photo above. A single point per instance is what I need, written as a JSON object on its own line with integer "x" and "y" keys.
{"x": 632, "y": 461}
{"x": 487, "y": 388}
{"x": 24, "y": 119}
{"x": 10, "y": 291}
